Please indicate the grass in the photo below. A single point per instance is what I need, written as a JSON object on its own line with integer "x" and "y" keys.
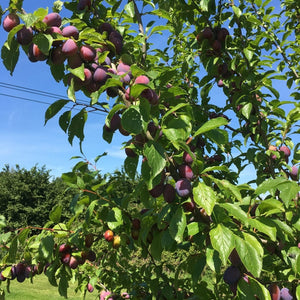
{"x": 41, "y": 289}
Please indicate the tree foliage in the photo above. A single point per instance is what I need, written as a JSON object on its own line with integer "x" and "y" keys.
{"x": 27, "y": 196}
{"x": 193, "y": 87}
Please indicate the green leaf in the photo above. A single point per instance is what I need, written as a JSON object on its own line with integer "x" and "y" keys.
{"x": 54, "y": 108}
{"x": 265, "y": 226}
{"x": 227, "y": 187}
{"x": 112, "y": 112}
{"x": 205, "y": 197}
{"x": 249, "y": 256}
{"x": 172, "y": 110}
{"x": 130, "y": 166}
{"x": 218, "y": 136}
{"x": 114, "y": 218}
{"x": 178, "y": 225}
{"x": 211, "y": 124}
{"x": 132, "y": 120}
{"x": 222, "y": 240}
{"x": 236, "y": 11}
{"x": 23, "y": 235}
{"x": 235, "y": 210}
{"x": 63, "y": 285}
{"x": 55, "y": 213}
{"x": 246, "y": 110}
{"x": 64, "y": 120}
{"x": 270, "y": 206}
{"x": 13, "y": 247}
{"x": 44, "y": 42}
{"x": 156, "y": 246}
{"x": 213, "y": 260}
{"x": 107, "y": 135}
{"x": 78, "y": 72}
{"x": 177, "y": 128}
{"x": 252, "y": 290}
{"x": 154, "y": 153}
{"x": 129, "y": 8}
{"x": 10, "y": 56}
{"x": 46, "y": 247}
{"x": 77, "y": 125}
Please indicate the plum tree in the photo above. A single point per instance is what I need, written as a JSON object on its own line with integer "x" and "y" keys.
{"x": 196, "y": 108}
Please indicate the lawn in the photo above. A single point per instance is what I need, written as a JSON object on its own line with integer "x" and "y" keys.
{"x": 41, "y": 289}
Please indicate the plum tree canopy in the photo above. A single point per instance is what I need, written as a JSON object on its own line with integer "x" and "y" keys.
{"x": 193, "y": 88}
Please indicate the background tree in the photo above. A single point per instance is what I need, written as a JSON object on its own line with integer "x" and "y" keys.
{"x": 27, "y": 196}
{"x": 235, "y": 238}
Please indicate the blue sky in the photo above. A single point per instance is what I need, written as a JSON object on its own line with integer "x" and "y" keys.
{"x": 24, "y": 139}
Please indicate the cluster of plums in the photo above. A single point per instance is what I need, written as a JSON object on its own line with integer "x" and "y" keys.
{"x": 67, "y": 47}
{"x": 285, "y": 152}
{"x": 215, "y": 36}
{"x": 111, "y": 237}
{"x": 233, "y": 274}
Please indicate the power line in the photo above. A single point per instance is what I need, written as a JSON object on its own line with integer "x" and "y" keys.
{"x": 34, "y": 91}
{"x": 43, "y": 102}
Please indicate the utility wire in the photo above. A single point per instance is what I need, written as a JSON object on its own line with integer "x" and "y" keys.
{"x": 43, "y": 102}
{"x": 34, "y": 91}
